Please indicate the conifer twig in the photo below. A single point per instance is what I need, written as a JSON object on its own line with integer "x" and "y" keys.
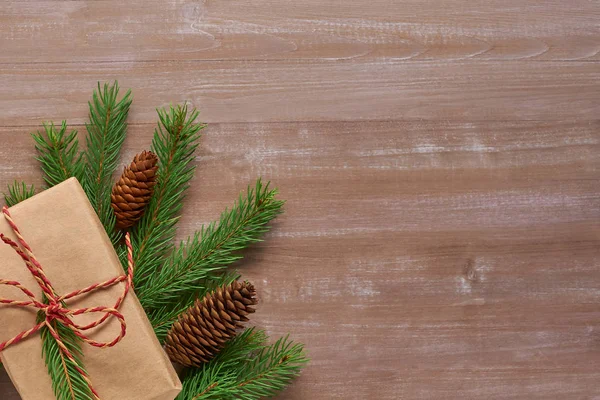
{"x": 223, "y": 370}
{"x": 58, "y": 154}
{"x": 250, "y": 371}
{"x": 67, "y": 382}
{"x": 17, "y": 192}
{"x": 106, "y": 128}
{"x": 211, "y": 249}
{"x": 175, "y": 141}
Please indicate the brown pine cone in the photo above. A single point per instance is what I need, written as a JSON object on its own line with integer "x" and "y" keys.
{"x": 132, "y": 193}
{"x": 202, "y": 331}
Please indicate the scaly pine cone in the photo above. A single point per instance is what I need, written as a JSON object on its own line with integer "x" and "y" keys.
{"x": 132, "y": 193}
{"x": 202, "y": 331}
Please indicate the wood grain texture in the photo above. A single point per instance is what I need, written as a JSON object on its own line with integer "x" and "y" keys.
{"x": 111, "y": 30}
{"x": 440, "y": 162}
{"x": 239, "y": 91}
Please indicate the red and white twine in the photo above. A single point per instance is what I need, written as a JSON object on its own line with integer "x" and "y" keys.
{"x": 56, "y": 310}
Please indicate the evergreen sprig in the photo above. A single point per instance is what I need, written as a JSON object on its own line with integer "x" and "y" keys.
{"x": 58, "y": 153}
{"x": 211, "y": 249}
{"x": 270, "y": 370}
{"x": 175, "y": 140}
{"x": 17, "y": 192}
{"x": 246, "y": 369}
{"x": 222, "y": 370}
{"x": 67, "y": 382}
{"x": 106, "y": 128}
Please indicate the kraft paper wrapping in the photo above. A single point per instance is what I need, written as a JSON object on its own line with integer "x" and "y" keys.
{"x": 69, "y": 241}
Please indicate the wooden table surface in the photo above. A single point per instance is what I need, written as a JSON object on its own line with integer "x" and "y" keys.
{"x": 440, "y": 159}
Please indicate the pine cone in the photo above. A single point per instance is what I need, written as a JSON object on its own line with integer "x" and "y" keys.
{"x": 202, "y": 331}
{"x": 132, "y": 193}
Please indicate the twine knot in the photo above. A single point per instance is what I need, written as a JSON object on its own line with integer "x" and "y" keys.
{"x": 55, "y": 310}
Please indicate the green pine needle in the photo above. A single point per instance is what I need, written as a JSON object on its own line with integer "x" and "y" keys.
{"x": 270, "y": 371}
{"x": 17, "y": 192}
{"x": 175, "y": 141}
{"x": 67, "y": 382}
{"x": 246, "y": 369}
{"x": 60, "y": 159}
{"x": 211, "y": 249}
{"x": 58, "y": 153}
{"x": 221, "y": 370}
{"x": 107, "y": 128}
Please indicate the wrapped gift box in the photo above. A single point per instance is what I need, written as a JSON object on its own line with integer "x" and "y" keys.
{"x": 68, "y": 239}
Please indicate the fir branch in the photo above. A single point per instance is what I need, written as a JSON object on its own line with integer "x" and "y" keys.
{"x": 58, "y": 153}
{"x": 107, "y": 128}
{"x": 211, "y": 249}
{"x": 247, "y": 369}
{"x": 67, "y": 382}
{"x": 271, "y": 370}
{"x": 17, "y": 192}
{"x": 175, "y": 141}
{"x": 224, "y": 368}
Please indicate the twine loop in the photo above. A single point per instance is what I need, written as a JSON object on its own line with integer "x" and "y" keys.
{"x": 54, "y": 306}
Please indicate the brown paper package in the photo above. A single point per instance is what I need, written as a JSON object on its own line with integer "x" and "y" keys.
{"x": 69, "y": 241}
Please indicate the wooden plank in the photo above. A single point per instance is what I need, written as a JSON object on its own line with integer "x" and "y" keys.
{"x": 417, "y": 259}
{"x": 292, "y": 91}
{"x": 59, "y": 31}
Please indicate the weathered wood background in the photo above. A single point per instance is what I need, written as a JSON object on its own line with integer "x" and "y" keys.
{"x": 440, "y": 158}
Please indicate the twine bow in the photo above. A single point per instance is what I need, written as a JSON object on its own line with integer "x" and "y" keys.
{"x": 55, "y": 309}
